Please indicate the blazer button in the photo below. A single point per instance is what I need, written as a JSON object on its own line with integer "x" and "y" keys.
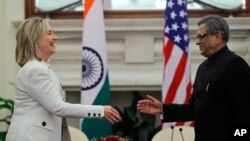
{"x": 89, "y": 114}
{"x": 94, "y": 115}
{"x": 43, "y": 123}
{"x": 99, "y": 114}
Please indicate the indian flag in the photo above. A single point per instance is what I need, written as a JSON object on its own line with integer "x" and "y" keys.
{"x": 95, "y": 81}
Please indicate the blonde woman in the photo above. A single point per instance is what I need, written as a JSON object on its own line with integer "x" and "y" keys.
{"x": 40, "y": 111}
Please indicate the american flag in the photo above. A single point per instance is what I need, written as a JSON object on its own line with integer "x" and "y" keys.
{"x": 176, "y": 87}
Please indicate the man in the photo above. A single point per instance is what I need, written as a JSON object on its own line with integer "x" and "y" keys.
{"x": 221, "y": 91}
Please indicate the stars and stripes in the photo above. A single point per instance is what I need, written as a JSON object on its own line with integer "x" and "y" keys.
{"x": 176, "y": 87}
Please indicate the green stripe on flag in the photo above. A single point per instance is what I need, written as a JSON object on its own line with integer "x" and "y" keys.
{"x": 96, "y": 128}
{"x": 103, "y": 98}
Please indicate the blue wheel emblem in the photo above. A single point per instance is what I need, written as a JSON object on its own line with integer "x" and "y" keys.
{"x": 92, "y": 68}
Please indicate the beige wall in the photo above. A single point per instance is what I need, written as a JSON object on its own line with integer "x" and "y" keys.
{"x": 10, "y": 11}
{"x": 2, "y": 49}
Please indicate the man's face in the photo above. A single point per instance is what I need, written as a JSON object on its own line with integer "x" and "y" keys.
{"x": 207, "y": 42}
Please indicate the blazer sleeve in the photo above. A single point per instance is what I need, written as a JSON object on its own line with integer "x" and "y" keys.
{"x": 47, "y": 94}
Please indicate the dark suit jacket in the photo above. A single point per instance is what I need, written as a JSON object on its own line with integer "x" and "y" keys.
{"x": 220, "y": 99}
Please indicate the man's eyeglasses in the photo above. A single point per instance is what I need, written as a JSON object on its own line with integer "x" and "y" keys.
{"x": 202, "y": 35}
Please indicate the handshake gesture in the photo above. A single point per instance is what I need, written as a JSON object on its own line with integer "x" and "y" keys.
{"x": 111, "y": 114}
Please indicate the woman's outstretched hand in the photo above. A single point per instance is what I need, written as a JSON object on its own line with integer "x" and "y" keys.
{"x": 111, "y": 114}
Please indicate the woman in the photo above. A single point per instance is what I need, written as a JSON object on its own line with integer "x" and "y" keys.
{"x": 39, "y": 111}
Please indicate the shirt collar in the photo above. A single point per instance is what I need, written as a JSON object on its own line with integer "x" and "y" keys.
{"x": 218, "y": 54}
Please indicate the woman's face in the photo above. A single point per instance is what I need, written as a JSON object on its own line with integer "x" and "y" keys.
{"x": 46, "y": 43}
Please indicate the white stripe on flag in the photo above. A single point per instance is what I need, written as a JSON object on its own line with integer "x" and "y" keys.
{"x": 176, "y": 87}
{"x": 94, "y": 37}
{"x": 170, "y": 69}
{"x": 95, "y": 82}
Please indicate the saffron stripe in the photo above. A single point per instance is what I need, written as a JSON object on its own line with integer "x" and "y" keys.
{"x": 87, "y": 6}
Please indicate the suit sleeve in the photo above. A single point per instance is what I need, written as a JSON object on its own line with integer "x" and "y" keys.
{"x": 177, "y": 112}
{"x": 47, "y": 94}
{"x": 238, "y": 87}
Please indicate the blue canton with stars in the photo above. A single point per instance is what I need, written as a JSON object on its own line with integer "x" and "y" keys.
{"x": 176, "y": 23}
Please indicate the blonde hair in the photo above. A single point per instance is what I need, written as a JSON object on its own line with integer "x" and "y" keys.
{"x": 28, "y": 33}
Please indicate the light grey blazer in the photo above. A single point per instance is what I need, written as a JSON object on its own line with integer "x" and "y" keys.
{"x": 39, "y": 106}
